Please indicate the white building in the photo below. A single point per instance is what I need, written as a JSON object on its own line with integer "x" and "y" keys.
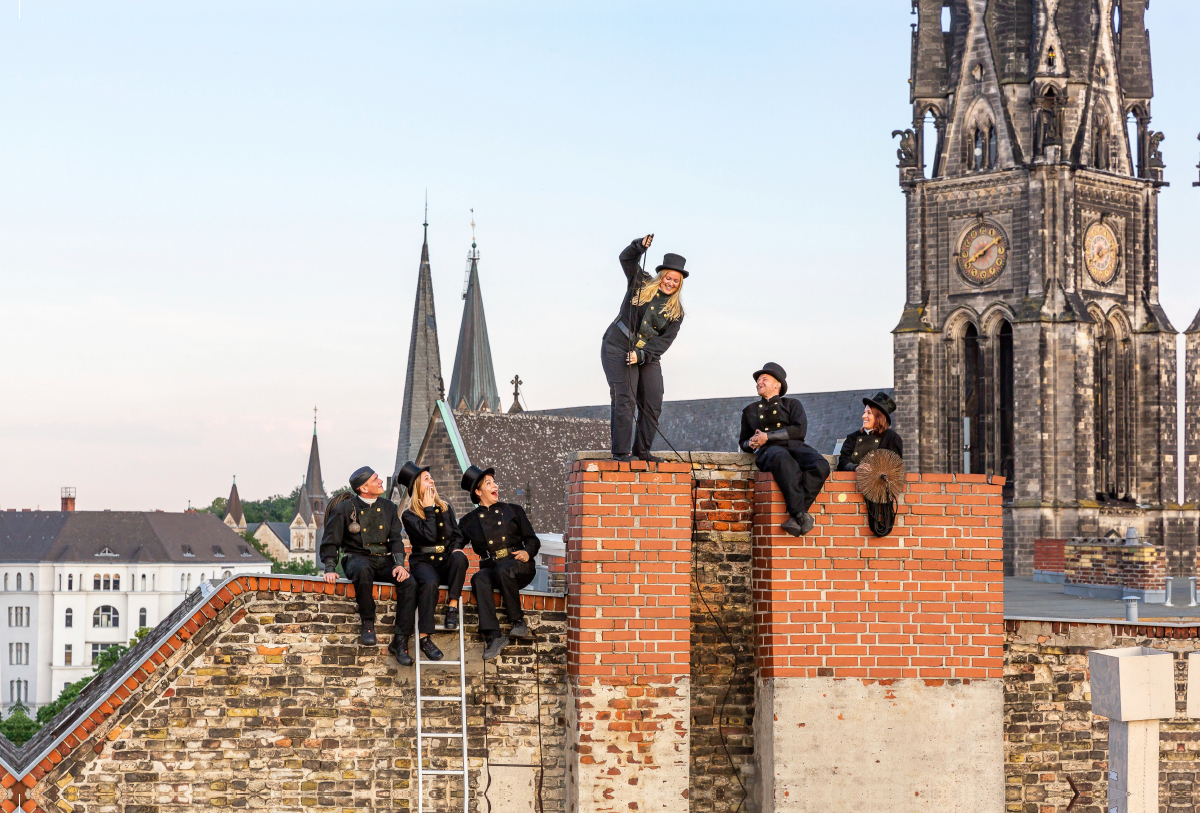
{"x": 73, "y": 584}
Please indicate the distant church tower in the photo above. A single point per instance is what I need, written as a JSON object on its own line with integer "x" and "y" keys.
{"x": 1032, "y": 343}
{"x": 423, "y": 378}
{"x": 234, "y": 517}
{"x": 473, "y": 383}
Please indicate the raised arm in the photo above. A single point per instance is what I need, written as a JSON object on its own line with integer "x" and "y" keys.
{"x": 631, "y": 256}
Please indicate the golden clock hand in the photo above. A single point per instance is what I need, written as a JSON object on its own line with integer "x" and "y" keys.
{"x": 983, "y": 250}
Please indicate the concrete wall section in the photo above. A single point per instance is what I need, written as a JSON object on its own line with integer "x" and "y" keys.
{"x": 903, "y": 745}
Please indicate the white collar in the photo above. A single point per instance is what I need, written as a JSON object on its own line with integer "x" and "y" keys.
{"x": 368, "y": 502}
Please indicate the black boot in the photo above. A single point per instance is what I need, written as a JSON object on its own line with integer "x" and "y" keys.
{"x": 520, "y": 629}
{"x": 399, "y": 648}
{"x": 452, "y": 618}
{"x": 623, "y": 458}
{"x": 430, "y": 648}
{"x": 367, "y": 638}
{"x": 650, "y": 458}
{"x": 494, "y": 645}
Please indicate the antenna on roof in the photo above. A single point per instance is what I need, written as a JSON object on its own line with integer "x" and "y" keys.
{"x": 314, "y": 420}
{"x": 426, "y": 223}
{"x": 472, "y": 257}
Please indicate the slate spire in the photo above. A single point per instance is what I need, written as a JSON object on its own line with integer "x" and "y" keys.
{"x": 234, "y": 517}
{"x": 473, "y": 382}
{"x": 424, "y": 373}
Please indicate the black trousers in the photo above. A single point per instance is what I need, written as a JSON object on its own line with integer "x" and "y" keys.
{"x": 365, "y": 571}
{"x": 630, "y": 387}
{"x": 508, "y": 576}
{"x": 799, "y": 471}
{"x": 451, "y": 571}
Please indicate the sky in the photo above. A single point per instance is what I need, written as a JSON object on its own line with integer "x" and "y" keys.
{"x": 210, "y": 214}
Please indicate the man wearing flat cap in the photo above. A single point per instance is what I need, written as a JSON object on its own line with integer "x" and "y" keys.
{"x": 500, "y": 532}
{"x": 876, "y": 433}
{"x": 773, "y": 429}
{"x": 365, "y": 529}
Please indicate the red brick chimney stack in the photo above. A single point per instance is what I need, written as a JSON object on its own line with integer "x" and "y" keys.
{"x": 68, "y": 498}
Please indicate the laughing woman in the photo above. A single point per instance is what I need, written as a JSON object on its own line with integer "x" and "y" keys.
{"x": 649, "y": 321}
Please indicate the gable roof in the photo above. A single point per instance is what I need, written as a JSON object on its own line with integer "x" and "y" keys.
{"x": 134, "y": 536}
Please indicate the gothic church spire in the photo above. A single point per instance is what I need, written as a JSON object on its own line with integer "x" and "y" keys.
{"x": 473, "y": 382}
{"x": 424, "y": 372}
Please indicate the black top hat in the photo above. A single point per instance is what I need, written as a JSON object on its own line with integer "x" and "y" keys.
{"x": 883, "y": 402}
{"x": 471, "y": 479}
{"x": 360, "y": 478}
{"x": 409, "y": 473}
{"x": 673, "y": 262}
{"x": 776, "y": 372}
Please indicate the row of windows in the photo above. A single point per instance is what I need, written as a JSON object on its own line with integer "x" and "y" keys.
{"x": 105, "y": 616}
{"x": 18, "y": 691}
{"x": 18, "y": 654}
{"x": 19, "y": 581}
{"x": 18, "y": 616}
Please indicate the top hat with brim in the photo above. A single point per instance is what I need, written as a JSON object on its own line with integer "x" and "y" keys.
{"x": 776, "y": 372}
{"x": 409, "y": 473}
{"x": 673, "y": 262}
{"x": 471, "y": 479}
{"x": 883, "y": 402}
{"x": 360, "y": 478}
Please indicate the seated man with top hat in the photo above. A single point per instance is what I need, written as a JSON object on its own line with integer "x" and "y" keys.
{"x": 435, "y": 555}
{"x": 773, "y": 429}
{"x": 876, "y": 433}
{"x": 501, "y": 534}
{"x": 364, "y": 528}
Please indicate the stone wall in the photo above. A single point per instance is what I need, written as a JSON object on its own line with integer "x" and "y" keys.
{"x": 1050, "y": 733}
{"x": 1112, "y": 569}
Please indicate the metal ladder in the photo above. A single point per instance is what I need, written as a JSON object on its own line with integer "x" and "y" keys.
{"x": 460, "y": 735}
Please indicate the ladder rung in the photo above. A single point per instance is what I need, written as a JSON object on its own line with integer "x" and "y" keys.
{"x": 440, "y": 663}
{"x": 424, "y": 772}
{"x": 442, "y": 734}
{"x": 447, "y": 698}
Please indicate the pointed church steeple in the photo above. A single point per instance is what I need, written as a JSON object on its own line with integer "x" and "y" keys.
{"x": 424, "y": 372}
{"x": 314, "y": 484}
{"x": 234, "y": 517}
{"x": 473, "y": 382}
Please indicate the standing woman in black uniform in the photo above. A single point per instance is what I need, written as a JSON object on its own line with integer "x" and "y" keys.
{"x": 435, "y": 552}
{"x": 649, "y": 321}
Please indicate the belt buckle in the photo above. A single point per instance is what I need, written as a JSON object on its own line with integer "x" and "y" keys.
{"x": 439, "y": 548}
{"x": 503, "y": 552}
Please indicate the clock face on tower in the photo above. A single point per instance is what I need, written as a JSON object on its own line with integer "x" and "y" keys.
{"x": 1101, "y": 254}
{"x": 982, "y": 253}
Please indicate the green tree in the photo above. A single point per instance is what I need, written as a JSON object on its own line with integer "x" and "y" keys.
{"x": 302, "y": 567}
{"x": 103, "y": 663}
{"x": 18, "y": 728}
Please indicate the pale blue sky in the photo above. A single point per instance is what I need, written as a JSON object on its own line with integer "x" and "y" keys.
{"x": 210, "y": 214}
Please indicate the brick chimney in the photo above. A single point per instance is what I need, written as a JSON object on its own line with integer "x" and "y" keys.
{"x": 68, "y": 499}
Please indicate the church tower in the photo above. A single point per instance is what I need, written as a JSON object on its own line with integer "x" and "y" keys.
{"x": 423, "y": 376}
{"x": 473, "y": 382}
{"x": 1032, "y": 344}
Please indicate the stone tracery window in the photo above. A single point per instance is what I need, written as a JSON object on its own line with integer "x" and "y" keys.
{"x": 1111, "y": 373}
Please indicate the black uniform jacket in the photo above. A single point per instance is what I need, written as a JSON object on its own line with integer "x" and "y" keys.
{"x": 380, "y": 535}
{"x": 652, "y": 332}
{"x": 782, "y": 418}
{"x": 498, "y": 532}
{"x": 438, "y": 531}
{"x": 859, "y": 444}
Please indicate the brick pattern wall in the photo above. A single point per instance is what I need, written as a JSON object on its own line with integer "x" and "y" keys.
{"x": 1051, "y": 734}
{"x": 924, "y": 602}
{"x": 1141, "y": 567}
{"x": 722, "y": 675}
{"x": 1048, "y": 555}
{"x": 629, "y": 573}
{"x": 264, "y": 699}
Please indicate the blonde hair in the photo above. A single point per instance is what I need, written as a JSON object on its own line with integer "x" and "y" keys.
{"x": 417, "y": 494}
{"x": 674, "y": 308}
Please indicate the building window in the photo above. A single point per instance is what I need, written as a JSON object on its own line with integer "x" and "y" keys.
{"x": 182, "y": 582}
{"x": 18, "y": 616}
{"x": 1005, "y": 405}
{"x": 70, "y": 582}
{"x": 143, "y": 582}
{"x": 217, "y": 552}
{"x": 18, "y": 654}
{"x": 116, "y": 582}
{"x": 70, "y": 617}
{"x": 106, "y": 616}
{"x": 227, "y": 574}
{"x": 6, "y": 582}
{"x": 1111, "y": 375}
{"x": 142, "y": 617}
{"x": 187, "y": 550}
{"x": 67, "y": 655}
{"x": 18, "y": 582}
{"x": 153, "y": 582}
{"x": 30, "y": 582}
{"x": 60, "y": 582}
{"x": 98, "y": 648}
{"x": 18, "y": 691}
{"x": 244, "y": 551}
{"x": 96, "y": 582}
{"x": 107, "y": 582}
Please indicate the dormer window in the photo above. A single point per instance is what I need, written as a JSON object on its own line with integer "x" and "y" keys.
{"x": 244, "y": 551}
{"x": 220, "y": 554}
{"x": 187, "y": 550}
{"x": 106, "y": 551}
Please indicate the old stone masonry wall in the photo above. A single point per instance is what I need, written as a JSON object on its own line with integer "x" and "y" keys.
{"x": 268, "y": 702}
